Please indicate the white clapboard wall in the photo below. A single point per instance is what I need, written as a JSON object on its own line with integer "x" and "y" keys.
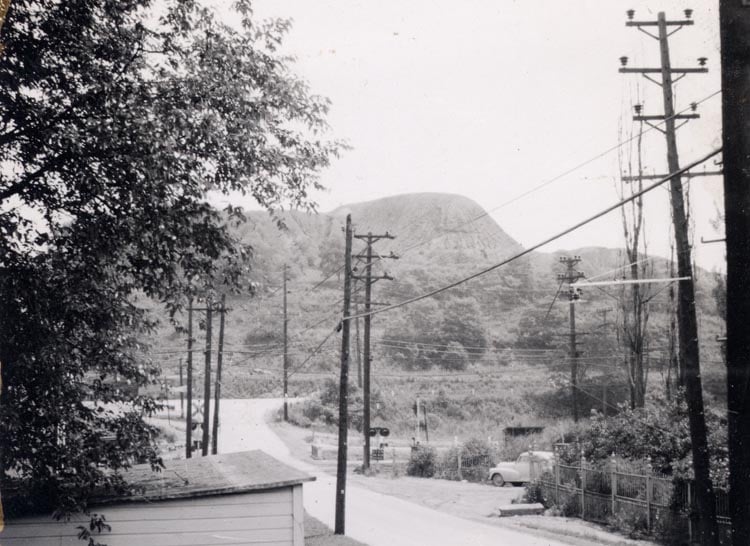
{"x": 272, "y": 517}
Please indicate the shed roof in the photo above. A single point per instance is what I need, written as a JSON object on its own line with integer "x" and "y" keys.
{"x": 213, "y": 475}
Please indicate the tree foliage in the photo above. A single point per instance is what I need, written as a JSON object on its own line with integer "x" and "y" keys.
{"x": 117, "y": 122}
{"x": 657, "y": 433}
{"x": 451, "y": 341}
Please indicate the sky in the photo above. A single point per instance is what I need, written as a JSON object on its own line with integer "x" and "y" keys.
{"x": 517, "y": 105}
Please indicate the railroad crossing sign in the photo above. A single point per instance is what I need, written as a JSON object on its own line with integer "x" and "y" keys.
{"x": 377, "y": 454}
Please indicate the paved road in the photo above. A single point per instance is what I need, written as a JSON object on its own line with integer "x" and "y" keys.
{"x": 372, "y": 518}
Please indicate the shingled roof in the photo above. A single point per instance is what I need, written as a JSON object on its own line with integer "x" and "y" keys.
{"x": 213, "y": 475}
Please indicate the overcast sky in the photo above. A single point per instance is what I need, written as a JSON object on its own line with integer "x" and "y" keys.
{"x": 492, "y": 98}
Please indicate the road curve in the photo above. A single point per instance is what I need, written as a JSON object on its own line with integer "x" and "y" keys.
{"x": 372, "y": 518}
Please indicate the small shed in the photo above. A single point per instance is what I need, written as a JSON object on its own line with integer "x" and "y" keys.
{"x": 514, "y": 432}
{"x": 236, "y": 498}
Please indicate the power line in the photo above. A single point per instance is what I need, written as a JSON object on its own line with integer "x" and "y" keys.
{"x": 565, "y": 173}
{"x": 541, "y": 244}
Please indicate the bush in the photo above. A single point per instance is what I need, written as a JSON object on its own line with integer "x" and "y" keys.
{"x": 477, "y": 457}
{"x": 534, "y": 493}
{"x": 630, "y": 521}
{"x": 422, "y": 462}
{"x": 570, "y": 506}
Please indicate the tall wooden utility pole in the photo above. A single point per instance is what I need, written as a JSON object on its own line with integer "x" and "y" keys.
{"x": 189, "y": 420}
{"x": 369, "y": 280}
{"x": 569, "y": 277}
{"x": 358, "y": 348}
{"x": 182, "y": 396}
{"x": 207, "y": 378}
{"x": 217, "y": 382}
{"x": 340, "y": 525}
{"x": 734, "y": 17}
{"x": 286, "y": 352}
{"x": 686, "y": 314}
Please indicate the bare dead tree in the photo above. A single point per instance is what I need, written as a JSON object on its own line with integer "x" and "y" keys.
{"x": 634, "y": 298}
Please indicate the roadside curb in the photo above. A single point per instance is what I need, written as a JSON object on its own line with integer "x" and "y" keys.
{"x": 591, "y": 534}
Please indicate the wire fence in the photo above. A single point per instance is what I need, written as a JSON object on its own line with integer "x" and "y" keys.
{"x": 651, "y": 503}
{"x": 454, "y": 464}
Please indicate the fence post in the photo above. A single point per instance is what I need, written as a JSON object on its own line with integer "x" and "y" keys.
{"x": 583, "y": 488}
{"x": 460, "y": 475}
{"x": 557, "y": 481}
{"x": 613, "y": 483}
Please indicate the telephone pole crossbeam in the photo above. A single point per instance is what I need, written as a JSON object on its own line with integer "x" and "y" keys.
{"x": 663, "y": 176}
{"x": 681, "y": 23}
{"x": 626, "y": 70}
{"x": 662, "y": 118}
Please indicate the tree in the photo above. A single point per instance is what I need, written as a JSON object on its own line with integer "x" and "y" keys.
{"x": 634, "y": 298}
{"x": 115, "y": 126}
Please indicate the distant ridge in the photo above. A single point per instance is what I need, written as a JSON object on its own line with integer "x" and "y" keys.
{"x": 433, "y": 221}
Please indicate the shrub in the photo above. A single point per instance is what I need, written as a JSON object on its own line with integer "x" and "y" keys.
{"x": 477, "y": 457}
{"x": 631, "y": 521}
{"x": 570, "y": 505}
{"x": 448, "y": 465}
{"x": 422, "y": 462}
{"x": 534, "y": 493}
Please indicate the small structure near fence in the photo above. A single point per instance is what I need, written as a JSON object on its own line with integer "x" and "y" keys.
{"x": 652, "y": 502}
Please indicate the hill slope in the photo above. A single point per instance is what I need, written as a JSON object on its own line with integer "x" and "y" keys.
{"x": 494, "y": 321}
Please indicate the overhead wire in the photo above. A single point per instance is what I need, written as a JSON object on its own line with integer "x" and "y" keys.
{"x": 565, "y": 173}
{"x": 526, "y": 251}
{"x": 540, "y": 244}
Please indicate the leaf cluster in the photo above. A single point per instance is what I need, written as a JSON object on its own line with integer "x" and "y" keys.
{"x": 118, "y": 121}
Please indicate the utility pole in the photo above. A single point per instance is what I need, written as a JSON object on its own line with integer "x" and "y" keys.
{"x": 359, "y": 349}
{"x": 182, "y": 397}
{"x": 207, "y": 379}
{"x": 569, "y": 277}
{"x": 286, "y": 352}
{"x": 217, "y": 383}
{"x": 416, "y": 420}
{"x": 686, "y": 314}
{"x": 369, "y": 280}
{"x": 340, "y": 525}
{"x": 189, "y": 421}
{"x": 734, "y": 18}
